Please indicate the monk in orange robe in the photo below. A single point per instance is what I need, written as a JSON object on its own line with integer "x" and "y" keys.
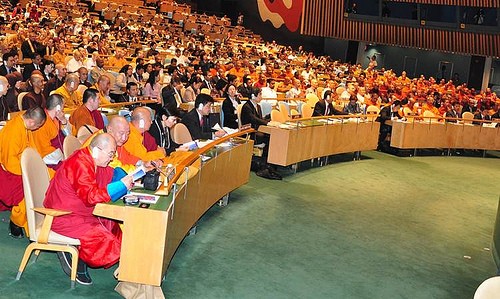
{"x": 140, "y": 124}
{"x": 15, "y": 137}
{"x": 87, "y": 113}
{"x": 49, "y": 138}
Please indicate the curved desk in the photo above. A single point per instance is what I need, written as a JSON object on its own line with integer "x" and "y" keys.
{"x": 151, "y": 236}
{"x": 427, "y": 134}
{"x": 306, "y": 139}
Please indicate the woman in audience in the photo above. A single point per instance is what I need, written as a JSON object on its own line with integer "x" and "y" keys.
{"x": 124, "y": 76}
{"x": 192, "y": 90}
{"x": 161, "y": 127}
{"x": 229, "y": 108}
{"x": 152, "y": 88}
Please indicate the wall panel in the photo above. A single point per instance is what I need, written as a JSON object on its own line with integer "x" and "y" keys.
{"x": 326, "y": 18}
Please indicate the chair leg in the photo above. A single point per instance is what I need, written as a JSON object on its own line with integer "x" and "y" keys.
{"x": 74, "y": 264}
{"x": 37, "y": 254}
{"x": 24, "y": 261}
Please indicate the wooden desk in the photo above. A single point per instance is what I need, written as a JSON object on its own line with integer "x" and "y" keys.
{"x": 290, "y": 146}
{"x": 151, "y": 236}
{"x": 408, "y": 135}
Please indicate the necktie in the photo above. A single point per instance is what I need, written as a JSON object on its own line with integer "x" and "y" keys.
{"x": 327, "y": 109}
{"x": 259, "y": 111}
{"x": 202, "y": 121}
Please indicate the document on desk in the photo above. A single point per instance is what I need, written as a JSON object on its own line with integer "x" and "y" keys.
{"x": 145, "y": 198}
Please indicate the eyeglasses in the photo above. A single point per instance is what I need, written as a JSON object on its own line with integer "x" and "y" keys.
{"x": 111, "y": 154}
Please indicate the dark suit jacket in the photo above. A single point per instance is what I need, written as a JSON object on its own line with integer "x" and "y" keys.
{"x": 320, "y": 107}
{"x": 162, "y": 136}
{"x": 478, "y": 115}
{"x": 250, "y": 115}
{"x": 230, "y": 116}
{"x": 192, "y": 122}
{"x": 28, "y": 69}
{"x": 3, "y": 70}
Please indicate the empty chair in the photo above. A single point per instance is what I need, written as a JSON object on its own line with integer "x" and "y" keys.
{"x": 20, "y": 97}
{"x": 467, "y": 116}
{"x": 35, "y": 183}
{"x": 284, "y": 109}
{"x": 307, "y": 111}
{"x": 312, "y": 99}
{"x": 84, "y": 132}
{"x": 372, "y": 112}
{"x": 238, "y": 113}
{"x": 180, "y": 134}
{"x": 277, "y": 116}
{"x": 70, "y": 144}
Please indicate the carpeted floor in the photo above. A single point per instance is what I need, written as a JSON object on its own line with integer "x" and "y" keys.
{"x": 382, "y": 227}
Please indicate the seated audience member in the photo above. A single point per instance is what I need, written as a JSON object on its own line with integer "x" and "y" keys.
{"x": 352, "y": 107}
{"x": 325, "y": 106}
{"x": 75, "y": 62}
{"x": 35, "y": 97}
{"x": 84, "y": 180}
{"x": 103, "y": 86}
{"x": 69, "y": 91}
{"x": 8, "y": 63}
{"x": 296, "y": 90}
{"x": 482, "y": 114}
{"x": 49, "y": 138}
{"x": 269, "y": 93}
{"x": 83, "y": 74}
{"x": 229, "y": 107}
{"x": 164, "y": 121}
{"x": 124, "y": 77}
{"x": 454, "y": 112}
{"x": 140, "y": 143}
{"x": 97, "y": 71}
{"x": 48, "y": 70}
{"x": 171, "y": 94}
{"x": 192, "y": 90}
{"x": 13, "y": 91}
{"x": 15, "y": 137}
{"x": 87, "y": 113}
{"x": 386, "y": 114}
{"x": 131, "y": 93}
{"x": 57, "y": 81}
{"x": 251, "y": 113}
{"x": 152, "y": 89}
{"x": 36, "y": 64}
{"x": 245, "y": 89}
{"x": 119, "y": 128}
{"x": 197, "y": 120}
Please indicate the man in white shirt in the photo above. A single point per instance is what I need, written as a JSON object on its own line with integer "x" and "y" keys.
{"x": 269, "y": 94}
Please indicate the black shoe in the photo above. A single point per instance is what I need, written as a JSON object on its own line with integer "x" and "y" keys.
{"x": 275, "y": 175}
{"x": 65, "y": 260}
{"x": 267, "y": 174}
{"x": 82, "y": 274}
{"x": 15, "y": 231}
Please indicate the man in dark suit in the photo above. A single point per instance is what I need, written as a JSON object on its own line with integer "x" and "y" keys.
{"x": 481, "y": 115}
{"x": 386, "y": 114}
{"x": 132, "y": 90}
{"x": 251, "y": 114}
{"x": 197, "y": 120}
{"x": 325, "y": 107}
{"x": 36, "y": 64}
{"x": 30, "y": 46}
{"x": 8, "y": 64}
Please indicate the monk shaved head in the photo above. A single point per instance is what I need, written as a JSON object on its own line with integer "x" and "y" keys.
{"x": 141, "y": 119}
{"x": 54, "y": 100}
{"x": 103, "y": 149}
{"x": 34, "y": 118}
{"x": 118, "y": 128}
